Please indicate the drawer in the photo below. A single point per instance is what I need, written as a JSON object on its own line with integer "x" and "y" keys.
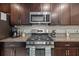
{"x": 14, "y": 44}
{"x": 66, "y": 44}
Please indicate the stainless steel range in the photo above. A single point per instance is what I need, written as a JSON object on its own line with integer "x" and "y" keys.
{"x": 40, "y": 43}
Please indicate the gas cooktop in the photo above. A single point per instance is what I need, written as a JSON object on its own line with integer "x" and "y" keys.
{"x": 40, "y": 37}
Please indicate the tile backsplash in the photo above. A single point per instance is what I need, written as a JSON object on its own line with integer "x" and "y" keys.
{"x": 59, "y": 29}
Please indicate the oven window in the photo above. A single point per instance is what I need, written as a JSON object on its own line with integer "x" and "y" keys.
{"x": 39, "y": 52}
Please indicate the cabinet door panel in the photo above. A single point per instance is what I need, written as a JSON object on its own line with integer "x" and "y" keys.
{"x": 19, "y": 14}
{"x": 21, "y": 51}
{"x": 72, "y": 51}
{"x": 36, "y": 7}
{"x": 59, "y": 51}
{"x": 15, "y": 15}
{"x": 5, "y": 7}
{"x": 55, "y": 14}
{"x": 64, "y": 14}
{"x": 9, "y": 52}
{"x": 45, "y": 7}
{"x": 74, "y": 14}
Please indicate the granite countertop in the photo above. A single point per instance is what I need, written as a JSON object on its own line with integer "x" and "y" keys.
{"x": 65, "y": 39}
{"x": 57, "y": 39}
{"x": 18, "y": 39}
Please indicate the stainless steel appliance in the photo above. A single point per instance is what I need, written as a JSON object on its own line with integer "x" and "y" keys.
{"x": 40, "y": 17}
{"x": 40, "y": 43}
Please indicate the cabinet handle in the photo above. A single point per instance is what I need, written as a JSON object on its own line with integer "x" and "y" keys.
{"x": 68, "y": 52}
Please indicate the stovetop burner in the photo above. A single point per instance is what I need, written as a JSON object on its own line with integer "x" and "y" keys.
{"x": 40, "y": 37}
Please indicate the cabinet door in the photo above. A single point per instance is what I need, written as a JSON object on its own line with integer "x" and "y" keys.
{"x": 45, "y": 7}
{"x": 24, "y": 13}
{"x": 55, "y": 14}
{"x": 36, "y": 7}
{"x": 59, "y": 51}
{"x": 20, "y": 51}
{"x": 5, "y": 7}
{"x": 64, "y": 14}
{"x": 74, "y": 14}
{"x": 72, "y": 51}
{"x": 19, "y": 14}
{"x": 9, "y": 52}
{"x": 15, "y": 14}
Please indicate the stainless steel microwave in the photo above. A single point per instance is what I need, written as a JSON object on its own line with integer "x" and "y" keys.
{"x": 40, "y": 17}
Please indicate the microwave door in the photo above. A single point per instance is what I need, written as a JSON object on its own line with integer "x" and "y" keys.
{"x": 37, "y": 18}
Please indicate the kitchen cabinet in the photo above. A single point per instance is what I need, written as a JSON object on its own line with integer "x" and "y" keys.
{"x": 55, "y": 14}
{"x": 61, "y": 14}
{"x": 5, "y": 7}
{"x": 58, "y": 51}
{"x": 35, "y": 7}
{"x": 66, "y": 49}
{"x": 15, "y": 15}
{"x": 64, "y": 17}
{"x": 14, "y": 49}
{"x": 9, "y": 51}
{"x": 45, "y": 7}
{"x": 20, "y": 51}
{"x": 19, "y": 14}
{"x": 74, "y": 14}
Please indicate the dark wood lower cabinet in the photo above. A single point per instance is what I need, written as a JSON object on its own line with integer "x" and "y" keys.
{"x": 72, "y": 51}
{"x": 62, "y": 51}
{"x": 21, "y": 51}
{"x": 66, "y": 49}
{"x": 18, "y": 51}
{"x": 8, "y": 52}
{"x": 58, "y": 51}
{"x": 13, "y": 49}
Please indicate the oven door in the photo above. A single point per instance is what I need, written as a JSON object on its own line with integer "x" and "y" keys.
{"x": 40, "y": 52}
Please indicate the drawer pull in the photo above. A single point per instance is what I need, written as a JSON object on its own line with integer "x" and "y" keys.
{"x": 66, "y": 52}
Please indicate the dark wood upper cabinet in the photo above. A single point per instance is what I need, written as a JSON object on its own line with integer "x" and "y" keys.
{"x": 19, "y": 14}
{"x": 36, "y": 7}
{"x": 61, "y": 14}
{"x": 54, "y": 14}
{"x": 45, "y": 7}
{"x": 25, "y": 14}
{"x": 5, "y": 7}
{"x": 64, "y": 16}
{"x": 14, "y": 15}
{"x": 74, "y": 14}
